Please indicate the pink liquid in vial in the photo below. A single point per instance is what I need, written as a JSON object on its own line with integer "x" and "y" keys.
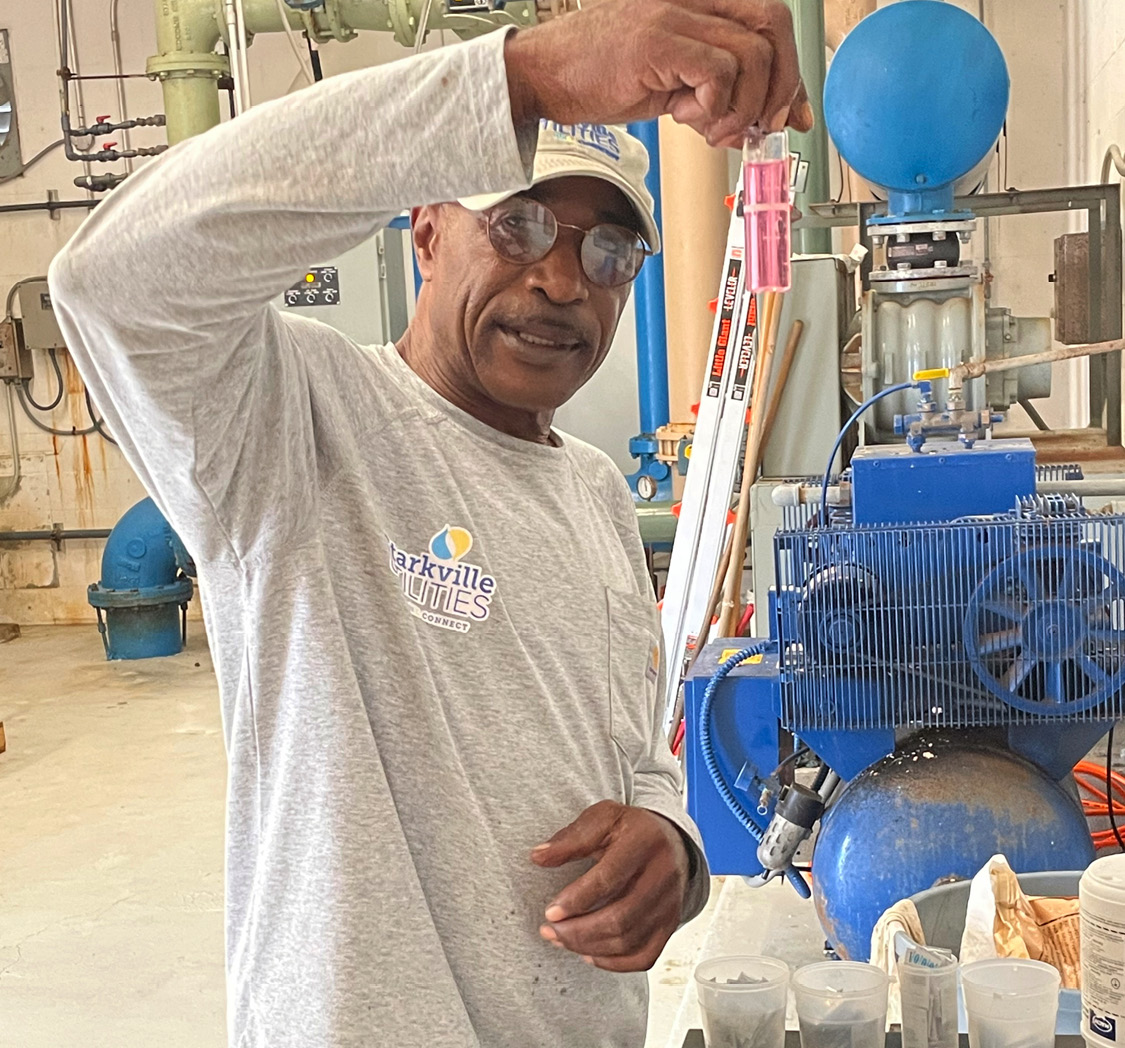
{"x": 765, "y": 186}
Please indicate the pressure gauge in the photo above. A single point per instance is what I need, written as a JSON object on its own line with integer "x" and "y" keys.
{"x": 646, "y": 487}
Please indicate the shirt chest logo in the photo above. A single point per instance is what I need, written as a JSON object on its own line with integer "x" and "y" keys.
{"x": 441, "y": 587}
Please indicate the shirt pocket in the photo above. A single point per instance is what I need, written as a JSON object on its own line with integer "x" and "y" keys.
{"x": 634, "y": 672}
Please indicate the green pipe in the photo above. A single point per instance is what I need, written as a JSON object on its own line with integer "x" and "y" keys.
{"x": 191, "y": 105}
{"x": 187, "y": 32}
{"x": 186, "y": 26}
{"x": 186, "y": 65}
{"x": 657, "y": 522}
{"x": 808, "y": 24}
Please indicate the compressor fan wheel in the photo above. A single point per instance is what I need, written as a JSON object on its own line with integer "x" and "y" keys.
{"x": 1045, "y": 631}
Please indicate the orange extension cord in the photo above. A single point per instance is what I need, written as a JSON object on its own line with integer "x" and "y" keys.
{"x": 1095, "y": 803}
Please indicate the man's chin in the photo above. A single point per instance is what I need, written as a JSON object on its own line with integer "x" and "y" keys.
{"x": 528, "y": 400}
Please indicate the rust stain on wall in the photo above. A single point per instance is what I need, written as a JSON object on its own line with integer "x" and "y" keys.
{"x": 84, "y": 484}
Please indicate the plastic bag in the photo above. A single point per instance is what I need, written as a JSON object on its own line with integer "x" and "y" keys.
{"x": 1001, "y": 921}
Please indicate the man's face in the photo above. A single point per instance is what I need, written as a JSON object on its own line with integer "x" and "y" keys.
{"x": 520, "y": 336}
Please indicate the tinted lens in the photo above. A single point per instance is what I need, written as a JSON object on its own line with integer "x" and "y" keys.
{"x": 612, "y": 255}
{"x": 521, "y": 230}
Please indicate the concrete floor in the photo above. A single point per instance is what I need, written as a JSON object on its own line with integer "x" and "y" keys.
{"x": 111, "y": 870}
{"x": 111, "y": 865}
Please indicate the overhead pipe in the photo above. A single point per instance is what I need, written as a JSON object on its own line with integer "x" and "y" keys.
{"x": 187, "y": 32}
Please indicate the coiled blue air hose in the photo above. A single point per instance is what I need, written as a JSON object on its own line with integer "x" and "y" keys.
{"x": 707, "y": 749}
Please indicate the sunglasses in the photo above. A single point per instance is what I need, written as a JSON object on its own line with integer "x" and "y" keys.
{"x": 522, "y": 231}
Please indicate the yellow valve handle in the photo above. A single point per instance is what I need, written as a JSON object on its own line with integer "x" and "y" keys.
{"x": 932, "y": 373}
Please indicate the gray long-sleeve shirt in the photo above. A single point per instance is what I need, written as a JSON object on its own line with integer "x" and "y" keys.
{"x": 435, "y": 643}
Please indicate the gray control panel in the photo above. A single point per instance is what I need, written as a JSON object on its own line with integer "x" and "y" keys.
{"x": 320, "y": 286}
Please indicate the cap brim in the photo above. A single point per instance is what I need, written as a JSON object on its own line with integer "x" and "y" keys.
{"x": 551, "y": 167}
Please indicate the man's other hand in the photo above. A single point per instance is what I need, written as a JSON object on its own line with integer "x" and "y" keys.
{"x": 620, "y": 913}
{"x": 719, "y": 66}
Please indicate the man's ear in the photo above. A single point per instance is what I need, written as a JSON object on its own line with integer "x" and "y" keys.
{"x": 424, "y": 222}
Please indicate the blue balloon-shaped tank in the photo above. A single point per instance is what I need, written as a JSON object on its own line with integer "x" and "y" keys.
{"x": 937, "y": 809}
{"x": 142, "y": 590}
{"x": 914, "y": 100}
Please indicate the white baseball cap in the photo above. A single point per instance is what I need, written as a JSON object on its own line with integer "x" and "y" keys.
{"x": 605, "y": 151}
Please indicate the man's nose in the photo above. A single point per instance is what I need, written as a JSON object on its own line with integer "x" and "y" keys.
{"x": 559, "y": 274}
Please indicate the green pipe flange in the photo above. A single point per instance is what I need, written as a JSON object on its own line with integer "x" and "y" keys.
{"x": 336, "y": 28}
{"x": 340, "y": 31}
{"x": 404, "y": 21}
{"x": 162, "y": 67}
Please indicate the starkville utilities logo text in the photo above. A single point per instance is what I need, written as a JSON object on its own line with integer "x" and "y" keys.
{"x": 443, "y": 589}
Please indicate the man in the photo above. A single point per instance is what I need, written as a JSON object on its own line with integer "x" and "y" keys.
{"x": 435, "y": 641}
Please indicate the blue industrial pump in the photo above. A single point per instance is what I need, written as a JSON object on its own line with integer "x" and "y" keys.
{"x": 145, "y": 587}
{"x": 945, "y": 639}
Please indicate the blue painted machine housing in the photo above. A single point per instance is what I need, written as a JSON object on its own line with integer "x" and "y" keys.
{"x": 142, "y": 590}
{"x": 999, "y": 631}
{"x": 914, "y": 100}
{"x": 944, "y": 481}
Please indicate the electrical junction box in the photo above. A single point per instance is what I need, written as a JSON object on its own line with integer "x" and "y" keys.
{"x": 37, "y": 317}
{"x": 944, "y": 481}
{"x": 15, "y": 360}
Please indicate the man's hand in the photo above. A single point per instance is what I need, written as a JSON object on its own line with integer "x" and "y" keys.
{"x": 720, "y": 66}
{"x": 620, "y": 913}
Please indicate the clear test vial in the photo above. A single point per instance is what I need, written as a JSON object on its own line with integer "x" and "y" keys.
{"x": 765, "y": 204}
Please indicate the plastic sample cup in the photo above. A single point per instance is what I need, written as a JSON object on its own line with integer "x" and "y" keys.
{"x": 1011, "y": 1003}
{"x": 929, "y": 1006}
{"x": 743, "y": 1001}
{"x": 841, "y": 1004}
{"x": 765, "y": 207}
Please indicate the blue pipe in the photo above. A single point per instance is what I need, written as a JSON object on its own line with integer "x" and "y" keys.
{"x": 142, "y": 591}
{"x": 652, "y": 328}
{"x": 403, "y": 222}
{"x": 711, "y": 761}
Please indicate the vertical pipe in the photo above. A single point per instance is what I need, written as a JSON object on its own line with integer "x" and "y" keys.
{"x": 694, "y": 179}
{"x": 652, "y": 328}
{"x": 191, "y": 106}
{"x": 808, "y": 25}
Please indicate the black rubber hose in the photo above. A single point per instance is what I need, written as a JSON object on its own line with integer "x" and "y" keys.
{"x": 43, "y": 426}
{"x": 1109, "y": 787}
{"x": 99, "y": 423}
{"x": 58, "y": 392}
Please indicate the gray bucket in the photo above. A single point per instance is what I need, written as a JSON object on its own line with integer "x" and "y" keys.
{"x": 942, "y": 913}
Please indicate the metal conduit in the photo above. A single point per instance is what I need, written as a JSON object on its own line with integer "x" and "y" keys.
{"x": 58, "y": 534}
{"x": 48, "y": 205}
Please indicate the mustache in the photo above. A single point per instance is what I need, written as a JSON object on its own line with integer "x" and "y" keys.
{"x": 546, "y": 324}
